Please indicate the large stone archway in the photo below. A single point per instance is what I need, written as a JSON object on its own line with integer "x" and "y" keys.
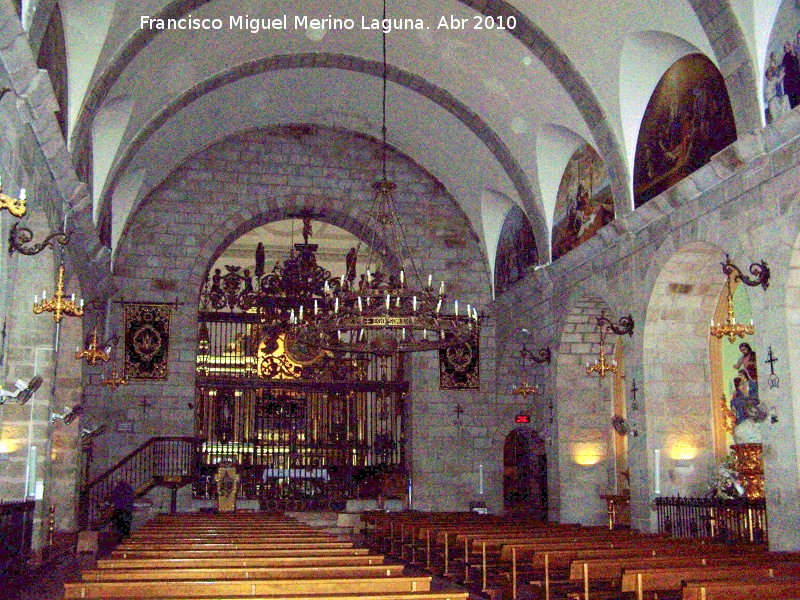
{"x": 242, "y": 183}
{"x": 677, "y": 372}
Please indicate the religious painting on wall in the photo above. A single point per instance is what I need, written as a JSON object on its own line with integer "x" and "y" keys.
{"x": 516, "y": 250}
{"x": 782, "y": 68}
{"x": 584, "y": 202}
{"x": 686, "y": 122}
{"x": 459, "y": 367}
{"x": 146, "y": 340}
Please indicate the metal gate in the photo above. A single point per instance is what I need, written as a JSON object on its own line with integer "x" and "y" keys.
{"x": 306, "y": 428}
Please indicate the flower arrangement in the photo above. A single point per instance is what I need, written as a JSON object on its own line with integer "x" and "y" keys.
{"x": 727, "y": 485}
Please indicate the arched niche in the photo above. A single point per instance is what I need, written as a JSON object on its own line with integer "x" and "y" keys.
{"x": 676, "y": 366}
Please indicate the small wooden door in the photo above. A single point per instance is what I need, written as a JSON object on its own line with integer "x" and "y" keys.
{"x": 525, "y": 474}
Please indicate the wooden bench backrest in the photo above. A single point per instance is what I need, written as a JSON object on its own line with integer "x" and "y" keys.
{"x": 234, "y": 545}
{"x": 232, "y": 552}
{"x": 672, "y": 579}
{"x": 771, "y": 588}
{"x": 612, "y": 568}
{"x": 223, "y": 573}
{"x": 241, "y": 587}
{"x": 226, "y": 561}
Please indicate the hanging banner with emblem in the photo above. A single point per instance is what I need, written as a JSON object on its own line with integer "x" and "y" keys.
{"x": 146, "y": 340}
{"x": 459, "y": 367}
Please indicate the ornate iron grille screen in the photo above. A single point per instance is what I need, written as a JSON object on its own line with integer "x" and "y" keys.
{"x": 305, "y": 427}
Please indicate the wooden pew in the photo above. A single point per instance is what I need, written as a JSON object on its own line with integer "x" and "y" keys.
{"x": 455, "y": 538}
{"x": 666, "y": 579}
{"x": 223, "y": 573}
{"x": 427, "y": 595}
{"x": 145, "y": 540}
{"x": 764, "y": 588}
{"x": 497, "y": 552}
{"x": 243, "y": 587}
{"x": 253, "y": 561}
{"x": 236, "y": 553}
{"x": 545, "y": 564}
{"x": 210, "y": 562}
{"x": 233, "y": 546}
{"x": 607, "y": 572}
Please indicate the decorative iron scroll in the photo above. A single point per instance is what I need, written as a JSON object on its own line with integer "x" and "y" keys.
{"x": 760, "y": 272}
{"x": 459, "y": 367}
{"x": 288, "y": 285}
{"x": 19, "y": 235}
{"x": 146, "y": 340}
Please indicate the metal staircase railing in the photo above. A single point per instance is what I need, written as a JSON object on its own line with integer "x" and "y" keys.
{"x": 160, "y": 461}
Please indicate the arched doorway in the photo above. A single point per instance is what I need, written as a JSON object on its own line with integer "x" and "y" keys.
{"x": 525, "y": 474}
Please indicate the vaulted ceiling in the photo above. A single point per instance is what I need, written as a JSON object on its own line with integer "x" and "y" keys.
{"x": 493, "y": 113}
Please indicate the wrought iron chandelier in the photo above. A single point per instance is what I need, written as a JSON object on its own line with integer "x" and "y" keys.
{"x": 384, "y": 313}
{"x": 524, "y": 389}
{"x": 605, "y": 326}
{"x": 731, "y": 329}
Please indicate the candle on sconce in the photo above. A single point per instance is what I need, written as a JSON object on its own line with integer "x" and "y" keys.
{"x": 657, "y": 471}
{"x": 480, "y": 479}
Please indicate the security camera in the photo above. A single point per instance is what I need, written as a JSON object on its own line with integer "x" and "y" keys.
{"x": 25, "y": 389}
{"x": 69, "y": 414}
{"x": 91, "y": 432}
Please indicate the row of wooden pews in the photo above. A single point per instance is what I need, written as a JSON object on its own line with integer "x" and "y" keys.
{"x": 253, "y": 555}
{"x": 496, "y": 554}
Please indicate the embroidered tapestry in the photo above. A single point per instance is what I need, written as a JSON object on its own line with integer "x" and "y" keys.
{"x": 146, "y": 340}
{"x": 459, "y": 367}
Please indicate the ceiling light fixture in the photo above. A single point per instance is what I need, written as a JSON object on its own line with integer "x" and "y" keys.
{"x": 384, "y": 313}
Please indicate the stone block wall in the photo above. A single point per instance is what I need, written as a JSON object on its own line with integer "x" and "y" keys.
{"x": 263, "y": 176}
{"x": 745, "y": 203}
